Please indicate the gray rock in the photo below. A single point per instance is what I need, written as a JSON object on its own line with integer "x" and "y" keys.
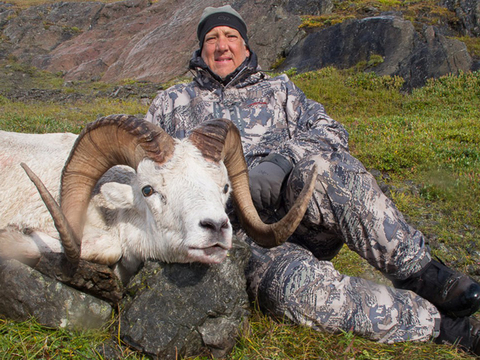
{"x": 27, "y": 292}
{"x": 407, "y": 53}
{"x": 186, "y": 309}
{"x": 434, "y": 55}
{"x": 169, "y": 310}
{"x": 468, "y": 11}
{"x": 308, "y": 7}
{"x": 153, "y": 41}
{"x": 346, "y": 44}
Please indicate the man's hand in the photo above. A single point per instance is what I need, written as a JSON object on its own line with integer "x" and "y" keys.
{"x": 266, "y": 182}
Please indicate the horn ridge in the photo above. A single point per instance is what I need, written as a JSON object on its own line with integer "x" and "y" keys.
{"x": 210, "y": 138}
{"x": 109, "y": 141}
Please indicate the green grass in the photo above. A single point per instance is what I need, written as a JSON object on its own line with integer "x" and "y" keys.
{"x": 15, "y": 116}
{"x": 29, "y": 340}
{"x": 425, "y": 141}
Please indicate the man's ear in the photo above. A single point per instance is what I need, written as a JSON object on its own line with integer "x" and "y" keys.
{"x": 247, "y": 50}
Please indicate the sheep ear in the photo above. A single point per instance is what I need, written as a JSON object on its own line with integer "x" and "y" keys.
{"x": 119, "y": 195}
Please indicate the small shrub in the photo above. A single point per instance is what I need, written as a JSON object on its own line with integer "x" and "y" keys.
{"x": 373, "y": 82}
{"x": 322, "y": 21}
{"x": 472, "y": 44}
{"x": 291, "y": 72}
{"x": 280, "y": 60}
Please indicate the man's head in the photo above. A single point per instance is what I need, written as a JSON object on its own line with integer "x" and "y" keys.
{"x": 222, "y": 34}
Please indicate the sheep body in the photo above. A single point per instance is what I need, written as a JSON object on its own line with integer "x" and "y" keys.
{"x": 174, "y": 212}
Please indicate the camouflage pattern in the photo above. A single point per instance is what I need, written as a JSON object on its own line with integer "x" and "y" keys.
{"x": 290, "y": 283}
{"x": 272, "y": 114}
{"x": 296, "y": 280}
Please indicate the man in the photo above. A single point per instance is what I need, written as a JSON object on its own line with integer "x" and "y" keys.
{"x": 284, "y": 134}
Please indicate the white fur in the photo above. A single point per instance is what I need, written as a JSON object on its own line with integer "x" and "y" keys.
{"x": 123, "y": 227}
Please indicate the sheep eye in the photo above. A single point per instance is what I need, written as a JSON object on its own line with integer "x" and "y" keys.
{"x": 225, "y": 188}
{"x": 147, "y": 191}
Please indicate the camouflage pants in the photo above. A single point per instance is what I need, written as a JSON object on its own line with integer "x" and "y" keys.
{"x": 297, "y": 281}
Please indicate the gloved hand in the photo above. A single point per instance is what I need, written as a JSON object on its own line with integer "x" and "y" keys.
{"x": 266, "y": 182}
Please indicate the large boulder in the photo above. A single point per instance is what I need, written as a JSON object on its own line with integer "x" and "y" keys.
{"x": 186, "y": 309}
{"x": 406, "y": 52}
{"x": 27, "y": 292}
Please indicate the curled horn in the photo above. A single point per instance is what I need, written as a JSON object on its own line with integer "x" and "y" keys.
{"x": 220, "y": 140}
{"x": 109, "y": 141}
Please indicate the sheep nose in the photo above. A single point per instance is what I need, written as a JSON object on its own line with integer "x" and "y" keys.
{"x": 214, "y": 225}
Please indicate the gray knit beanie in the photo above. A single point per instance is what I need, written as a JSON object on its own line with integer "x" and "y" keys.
{"x": 221, "y": 16}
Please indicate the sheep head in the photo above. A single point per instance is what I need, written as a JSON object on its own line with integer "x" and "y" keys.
{"x": 215, "y": 160}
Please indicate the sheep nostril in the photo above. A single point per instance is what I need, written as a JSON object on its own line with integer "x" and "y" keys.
{"x": 215, "y": 226}
{"x": 225, "y": 224}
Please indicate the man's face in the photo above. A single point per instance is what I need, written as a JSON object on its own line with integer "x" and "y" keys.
{"x": 224, "y": 50}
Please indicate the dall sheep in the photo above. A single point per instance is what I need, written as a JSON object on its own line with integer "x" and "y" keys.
{"x": 125, "y": 191}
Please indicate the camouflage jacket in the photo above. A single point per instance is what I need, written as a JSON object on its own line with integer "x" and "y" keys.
{"x": 272, "y": 114}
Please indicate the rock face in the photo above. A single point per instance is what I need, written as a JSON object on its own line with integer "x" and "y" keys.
{"x": 141, "y": 40}
{"x": 136, "y": 38}
{"x": 407, "y": 53}
{"x": 468, "y": 11}
{"x": 186, "y": 309}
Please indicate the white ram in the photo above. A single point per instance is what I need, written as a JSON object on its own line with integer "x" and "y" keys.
{"x": 129, "y": 192}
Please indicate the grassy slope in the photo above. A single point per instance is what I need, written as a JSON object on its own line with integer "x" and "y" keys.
{"x": 426, "y": 142}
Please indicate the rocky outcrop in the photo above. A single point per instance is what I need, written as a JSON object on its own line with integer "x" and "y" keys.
{"x": 176, "y": 310}
{"x": 415, "y": 56}
{"x": 136, "y": 38}
{"x": 468, "y": 11}
{"x": 153, "y": 41}
{"x": 27, "y": 292}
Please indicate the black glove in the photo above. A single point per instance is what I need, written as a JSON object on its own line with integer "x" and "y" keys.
{"x": 266, "y": 181}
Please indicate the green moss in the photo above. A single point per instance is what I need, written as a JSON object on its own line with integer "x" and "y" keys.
{"x": 422, "y": 12}
{"x": 472, "y": 44}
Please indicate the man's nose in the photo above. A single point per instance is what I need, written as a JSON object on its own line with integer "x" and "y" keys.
{"x": 222, "y": 43}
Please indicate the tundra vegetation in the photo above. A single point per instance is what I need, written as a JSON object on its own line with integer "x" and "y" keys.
{"x": 423, "y": 146}
{"x": 419, "y": 12}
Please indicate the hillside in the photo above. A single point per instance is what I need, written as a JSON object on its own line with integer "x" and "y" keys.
{"x": 153, "y": 41}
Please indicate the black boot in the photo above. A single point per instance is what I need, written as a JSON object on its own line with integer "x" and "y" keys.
{"x": 453, "y": 293}
{"x": 463, "y": 332}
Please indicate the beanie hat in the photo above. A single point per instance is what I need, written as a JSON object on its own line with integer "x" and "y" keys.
{"x": 221, "y": 16}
